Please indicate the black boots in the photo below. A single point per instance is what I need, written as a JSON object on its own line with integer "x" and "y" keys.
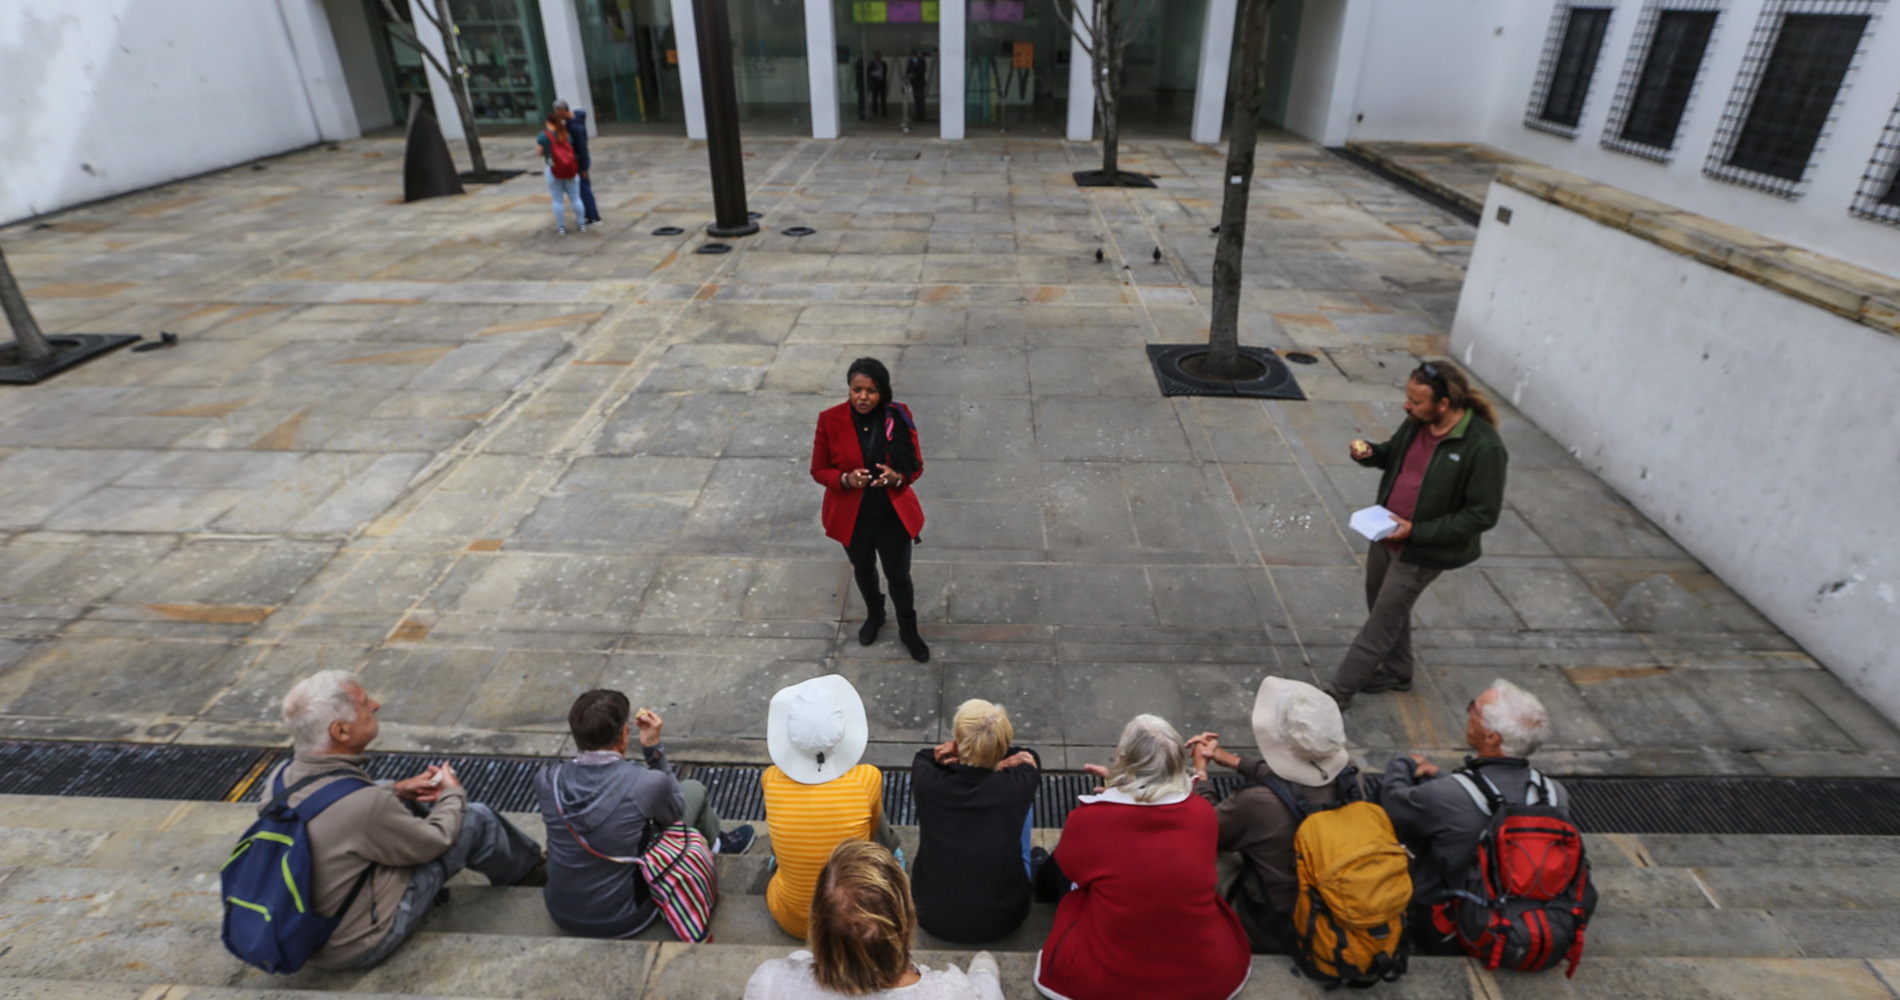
{"x": 907, "y": 634}
{"x": 873, "y": 620}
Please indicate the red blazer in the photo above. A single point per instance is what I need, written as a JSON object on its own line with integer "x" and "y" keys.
{"x": 1146, "y": 919}
{"x": 835, "y": 451}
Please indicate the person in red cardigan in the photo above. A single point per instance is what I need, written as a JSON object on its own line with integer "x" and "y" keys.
{"x": 1143, "y": 918}
{"x": 866, "y": 455}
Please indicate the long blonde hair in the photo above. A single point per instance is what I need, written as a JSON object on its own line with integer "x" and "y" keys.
{"x": 1448, "y": 383}
{"x": 862, "y": 920}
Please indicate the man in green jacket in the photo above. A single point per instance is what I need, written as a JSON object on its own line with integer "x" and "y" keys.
{"x": 1444, "y": 483}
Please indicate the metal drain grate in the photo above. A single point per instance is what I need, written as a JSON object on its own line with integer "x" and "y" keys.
{"x": 1735, "y": 806}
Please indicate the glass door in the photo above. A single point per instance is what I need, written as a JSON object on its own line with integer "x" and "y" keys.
{"x": 1013, "y": 80}
{"x": 632, "y": 60}
{"x": 887, "y": 57}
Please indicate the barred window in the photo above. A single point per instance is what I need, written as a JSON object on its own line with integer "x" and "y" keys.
{"x": 1879, "y": 195}
{"x": 1669, "y": 71}
{"x": 1570, "y": 60}
{"x": 1791, "y": 77}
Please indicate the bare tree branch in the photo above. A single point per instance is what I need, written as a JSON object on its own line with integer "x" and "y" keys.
{"x": 1065, "y": 9}
{"x": 407, "y": 36}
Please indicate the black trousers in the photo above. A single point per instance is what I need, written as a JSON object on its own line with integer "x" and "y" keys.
{"x": 880, "y": 98}
{"x": 885, "y": 539}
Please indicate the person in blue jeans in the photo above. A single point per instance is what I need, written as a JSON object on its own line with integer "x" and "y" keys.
{"x": 577, "y": 134}
{"x": 563, "y": 169}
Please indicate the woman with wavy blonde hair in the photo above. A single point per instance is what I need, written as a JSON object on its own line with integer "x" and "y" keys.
{"x": 862, "y": 923}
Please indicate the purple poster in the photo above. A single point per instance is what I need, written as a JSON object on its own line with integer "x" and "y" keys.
{"x": 979, "y": 11}
{"x": 905, "y": 11}
{"x": 1006, "y": 10}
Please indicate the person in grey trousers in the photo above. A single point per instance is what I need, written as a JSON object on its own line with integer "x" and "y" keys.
{"x": 599, "y": 808}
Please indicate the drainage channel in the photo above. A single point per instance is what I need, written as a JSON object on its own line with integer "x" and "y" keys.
{"x": 1682, "y": 805}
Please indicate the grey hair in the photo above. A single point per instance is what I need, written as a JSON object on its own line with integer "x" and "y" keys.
{"x": 1150, "y": 761}
{"x": 1518, "y": 717}
{"x": 560, "y": 106}
{"x": 315, "y": 702}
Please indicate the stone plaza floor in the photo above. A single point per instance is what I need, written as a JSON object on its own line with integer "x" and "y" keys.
{"x": 488, "y": 467}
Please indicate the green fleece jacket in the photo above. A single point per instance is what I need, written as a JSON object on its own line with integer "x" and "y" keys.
{"x": 1461, "y": 497}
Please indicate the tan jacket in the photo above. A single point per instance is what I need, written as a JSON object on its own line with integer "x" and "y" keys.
{"x": 364, "y": 827}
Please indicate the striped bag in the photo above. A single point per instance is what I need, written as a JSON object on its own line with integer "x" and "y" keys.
{"x": 678, "y": 866}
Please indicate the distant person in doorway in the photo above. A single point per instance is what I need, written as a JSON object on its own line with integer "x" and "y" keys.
{"x": 866, "y": 455}
{"x": 563, "y": 169}
{"x": 577, "y": 136}
{"x": 917, "y": 71}
{"x": 1444, "y": 484}
{"x": 878, "y": 74}
{"x": 858, "y": 76}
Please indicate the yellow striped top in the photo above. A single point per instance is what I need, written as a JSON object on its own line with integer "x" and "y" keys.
{"x": 806, "y": 822}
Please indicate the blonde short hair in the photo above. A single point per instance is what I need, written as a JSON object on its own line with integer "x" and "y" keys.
{"x": 982, "y": 732}
{"x": 862, "y": 920}
{"x": 1150, "y": 762}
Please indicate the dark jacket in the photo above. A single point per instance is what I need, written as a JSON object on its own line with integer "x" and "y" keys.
{"x": 1461, "y": 497}
{"x": 609, "y": 805}
{"x": 1440, "y": 823}
{"x": 970, "y": 881}
{"x": 577, "y": 136}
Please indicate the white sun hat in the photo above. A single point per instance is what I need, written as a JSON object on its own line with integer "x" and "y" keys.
{"x": 815, "y": 730}
{"x": 1299, "y": 731}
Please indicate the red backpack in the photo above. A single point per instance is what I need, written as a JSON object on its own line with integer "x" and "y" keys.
{"x": 561, "y": 156}
{"x": 1527, "y": 896}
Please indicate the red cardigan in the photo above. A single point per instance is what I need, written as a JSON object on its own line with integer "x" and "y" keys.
{"x": 1146, "y": 918}
{"x": 835, "y": 451}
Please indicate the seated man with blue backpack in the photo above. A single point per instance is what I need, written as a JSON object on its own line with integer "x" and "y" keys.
{"x": 1501, "y": 873}
{"x": 1307, "y": 859}
{"x": 340, "y": 869}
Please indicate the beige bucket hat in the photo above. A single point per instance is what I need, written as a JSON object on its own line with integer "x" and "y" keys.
{"x": 1299, "y": 731}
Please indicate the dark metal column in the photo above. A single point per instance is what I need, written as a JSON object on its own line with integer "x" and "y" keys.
{"x": 714, "y": 33}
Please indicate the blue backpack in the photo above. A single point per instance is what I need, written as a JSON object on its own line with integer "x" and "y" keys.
{"x": 270, "y": 916}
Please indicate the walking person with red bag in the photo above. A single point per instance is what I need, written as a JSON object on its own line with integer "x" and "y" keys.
{"x": 564, "y": 169}
{"x": 866, "y": 455}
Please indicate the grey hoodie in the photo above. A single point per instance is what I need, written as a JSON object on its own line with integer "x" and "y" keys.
{"x": 609, "y": 804}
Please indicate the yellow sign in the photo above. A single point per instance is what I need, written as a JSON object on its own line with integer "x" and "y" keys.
{"x": 932, "y": 10}
{"x": 869, "y": 12}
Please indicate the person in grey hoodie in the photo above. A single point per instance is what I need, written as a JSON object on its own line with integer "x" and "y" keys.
{"x": 598, "y": 809}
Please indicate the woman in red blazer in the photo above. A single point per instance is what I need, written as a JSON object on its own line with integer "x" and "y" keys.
{"x": 866, "y": 455}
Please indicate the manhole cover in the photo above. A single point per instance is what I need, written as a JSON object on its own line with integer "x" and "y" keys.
{"x": 896, "y": 154}
{"x": 1301, "y": 358}
{"x": 668, "y": 231}
{"x": 714, "y": 248}
{"x": 800, "y": 231}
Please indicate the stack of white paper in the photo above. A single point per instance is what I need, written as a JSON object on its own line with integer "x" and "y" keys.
{"x": 1374, "y": 522}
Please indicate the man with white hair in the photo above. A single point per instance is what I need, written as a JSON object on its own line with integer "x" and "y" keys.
{"x": 1302, "y": 742}
{"x": 1442, "y": 820}
{"x": 373, "y": 858}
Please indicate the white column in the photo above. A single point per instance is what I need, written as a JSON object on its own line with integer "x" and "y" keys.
{"x": 567, "y": 60}
{"x": 821, "y": 57}
{"x": 953, "y": 58}
{"x": 1081, "y": 78}
{"x": 439, "y": 94}
{"x": 687, "y": 39}
{"x": 1217, "y": 51}
{"x": 314, "y": 48}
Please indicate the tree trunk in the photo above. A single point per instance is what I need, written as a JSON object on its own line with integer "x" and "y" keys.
{"x": 1223, "y": 342}
{"x": 458, "y": 86}
{"x": 26, "y": 333}
{"x": 1108, "y": 75}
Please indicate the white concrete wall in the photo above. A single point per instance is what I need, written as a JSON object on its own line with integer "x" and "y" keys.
{"x": 109, "y": 96}
{"x": 356, "y": 47}
{"x": 1441, "y": 70}
{"x": 1321, "y": 98}
{"x": 1759, "y": 431}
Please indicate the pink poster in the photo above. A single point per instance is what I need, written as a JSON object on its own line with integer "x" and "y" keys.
{"x": 979, "y": 11}
{"x": 904, "y": 11}
{"x": 1006, "y": 10}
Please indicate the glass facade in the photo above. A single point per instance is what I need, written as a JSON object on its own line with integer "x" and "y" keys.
{"x": 633, "y": 71}
{"x": 1018, "y": 75}
{"x": 1283, "y": 40}
{"x": 1159, "y": 70}
{"x": 768, "y": 58}
{"x": 501, "y": 44}
{"x": 896, "y": 35}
